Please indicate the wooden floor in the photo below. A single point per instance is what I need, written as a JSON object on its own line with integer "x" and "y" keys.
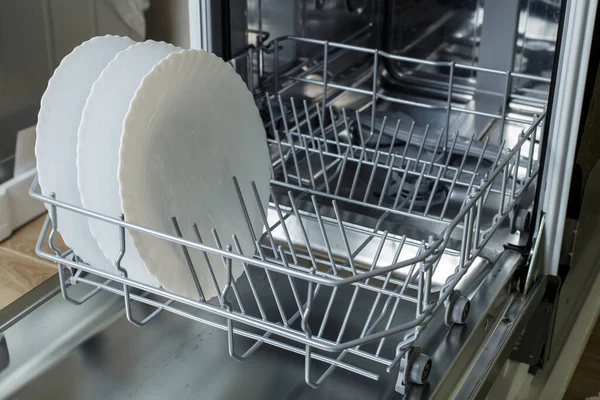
{"x": 586, "y": 379}
{"x": 21, "y": 270}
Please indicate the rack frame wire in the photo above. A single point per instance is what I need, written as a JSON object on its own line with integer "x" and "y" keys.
{"x": 312, "y": 135}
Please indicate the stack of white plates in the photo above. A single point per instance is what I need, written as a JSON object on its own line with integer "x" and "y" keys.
{"x": 153, "y": 132}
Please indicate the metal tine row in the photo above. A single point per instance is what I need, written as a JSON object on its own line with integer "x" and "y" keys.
{"x": 228, "y": 285}
{"x": 53, "y": 217}
{"x": 396, "y": 303}
{"x": 477, "y": 166}
{"x": 473, "y": 235}
{"x": 160, "y": 306}
{"x": 380, "y": 220}
{"x": 410, "y": 277}
{"x": 338, "y": 144}
{"x": 387, "y": 161}
{"x": 308, "y": 247}
{"x": 369, "y": 327}
{"x": 458, "y": 173}
{"x": 343, "y": 327}
{"x": 315, "y": 291}
{"x": 386, "y": 280}
{"x": 348, "y": 265}
{"x": 126, "y": 288}
{"x": 511, "y": 171}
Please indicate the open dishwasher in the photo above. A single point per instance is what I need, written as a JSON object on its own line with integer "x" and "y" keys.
{"x": 404, "y": 249}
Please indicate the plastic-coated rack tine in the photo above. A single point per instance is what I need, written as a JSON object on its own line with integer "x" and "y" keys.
{"x": 386, "y": 181}
{"x": 238, "y": 248}
{"x": 228, "y": 285}
{"x": 422, "y": 145}
{"x": 408, "y": 143}
{"x": 325, "y": 75}
{"x": 278, "y": 138}
{"x": 126, "y": 288}
{"x": 435, "y": 151}
{"x": 374, "y": 88}
{"x": 381, "y": 129}
{"x": 284, "y": 318}
{"x": 368, "y": 328}
{"x": 513, "y": 192}
{"x": 271, "y": 115}
{"x": 295, "y": 114}
{"x": 324, "y": 167}
{"x": 310, "y": 295}
{"x": 532, "y": 137}
{"x": 477, "y": 166}
{"x": 394, "y": 138}
{"x": 309, "y": 164}
{"x": 448, "y": 196}
{"x": 324, "y": 234}
{"x": 449, "y": 101}
{"x": 371, "y": 177}
{"x": 61, "y": 267}
{"x": 225, "y": 261}
{"x": 267, "y": 335}
{"x": 342, "y": 170}
{"x": 450, "y": 153}
{"x": 334, "y": 128}
{"x": 244, "y": 209}
{"x": 433, "y": 190}
{"x": 283, "y": 226}
{"x": 208, "y": 264}
{"x": 400, "y": 187}
{"x": 344, "y": 237}
{"x": 290, "y": 140}
{"x": 188, "y": 260}
{"x": 282, "y": 159}
{"x": 344, "y": 325}
{"x": 263, "y": 216}
{"x": 361, "y": 136}
{"x": 320, "y": 118}
{"x": 334, "y": 292}
{"x": 303, "y": 230}
{"x": 356, "y": 175}
{"x": 307, "y": 116}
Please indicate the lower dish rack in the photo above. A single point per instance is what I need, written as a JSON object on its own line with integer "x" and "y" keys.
{"x": 371, "y": 225}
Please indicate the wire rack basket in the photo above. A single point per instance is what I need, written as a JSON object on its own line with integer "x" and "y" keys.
{"x": 318, "y": 283}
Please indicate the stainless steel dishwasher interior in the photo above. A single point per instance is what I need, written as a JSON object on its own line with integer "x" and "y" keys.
{"x": 399, "y": 176}
{"x": 179, "y": 358}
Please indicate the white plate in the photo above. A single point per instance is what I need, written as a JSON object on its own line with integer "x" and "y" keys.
{"x": 191, "y": 127}
{"x": 56, "y": 143}
{"x": 98, "y": 147}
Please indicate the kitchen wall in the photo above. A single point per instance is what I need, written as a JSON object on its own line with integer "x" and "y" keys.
{"x": 167, "y": 20}
{"x": 34, "y": 36}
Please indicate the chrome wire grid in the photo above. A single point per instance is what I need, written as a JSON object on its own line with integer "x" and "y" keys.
{"x": 326, "y": 161}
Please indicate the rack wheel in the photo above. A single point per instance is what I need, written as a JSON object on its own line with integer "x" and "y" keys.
{"x": 420, "y": 369}
{"x": 520, "y": 220}
{"x": 457, "y": 309}
{"x": 460, "y": 310}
